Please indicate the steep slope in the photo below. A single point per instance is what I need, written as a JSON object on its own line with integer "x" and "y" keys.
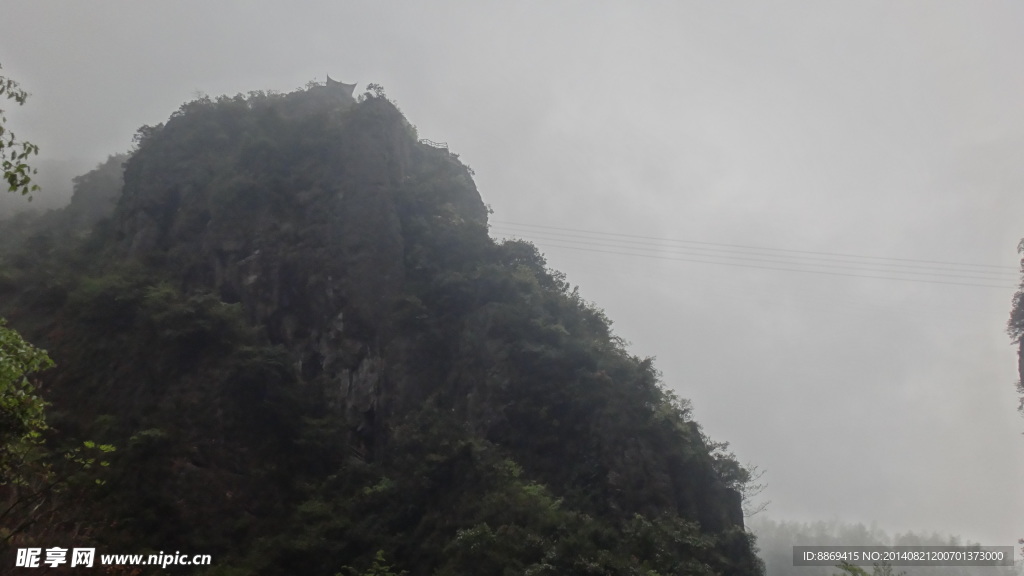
{"x": 296, "y": 329}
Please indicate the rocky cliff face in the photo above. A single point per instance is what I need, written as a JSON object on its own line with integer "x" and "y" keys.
{"x": 295, "y": 285}
{"x": 315, "y": 252}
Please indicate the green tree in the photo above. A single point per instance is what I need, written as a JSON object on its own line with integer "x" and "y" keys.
{"x": 22, "y": 411}
{"x": 15, "y": 153}
{"x": 34, "y": 478}
{"x": 1015, "y": 326}
{"x": 22, "y": 420}
{"x": 22, "y": 423}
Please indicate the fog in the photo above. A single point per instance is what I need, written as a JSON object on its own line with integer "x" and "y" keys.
{"x": 889, "y": 130}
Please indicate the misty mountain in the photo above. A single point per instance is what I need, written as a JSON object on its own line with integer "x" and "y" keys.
{"x": 54, "y": 178}
{"x": 288, "y": 316}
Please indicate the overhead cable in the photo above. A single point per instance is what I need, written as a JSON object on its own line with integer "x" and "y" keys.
{"x": 876, "y": 267}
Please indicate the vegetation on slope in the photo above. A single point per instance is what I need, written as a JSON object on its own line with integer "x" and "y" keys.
{"x": 311, "y": 356}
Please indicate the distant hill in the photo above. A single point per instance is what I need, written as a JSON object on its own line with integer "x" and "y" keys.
{"x": 54, "y": 180}
{"x": 776, "y": 539}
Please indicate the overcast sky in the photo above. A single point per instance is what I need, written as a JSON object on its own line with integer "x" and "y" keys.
{"x": 884, "y": 129}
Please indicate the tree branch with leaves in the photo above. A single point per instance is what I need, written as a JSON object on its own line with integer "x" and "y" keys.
{"x": 32, "y": 477}
{"x": 14, "y": 154}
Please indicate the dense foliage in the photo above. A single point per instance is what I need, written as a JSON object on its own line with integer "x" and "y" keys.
{"x": 313, "y": 359}
{"x": 22, "y": 416}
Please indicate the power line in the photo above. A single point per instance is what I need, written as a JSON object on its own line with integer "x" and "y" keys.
{"x": 786, "y": 269}
{"x": 598, "y": 241}
{"x": 798, "y": 259}
{"x": 1002, "y": 269}
{"x": 832, "y": 264}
